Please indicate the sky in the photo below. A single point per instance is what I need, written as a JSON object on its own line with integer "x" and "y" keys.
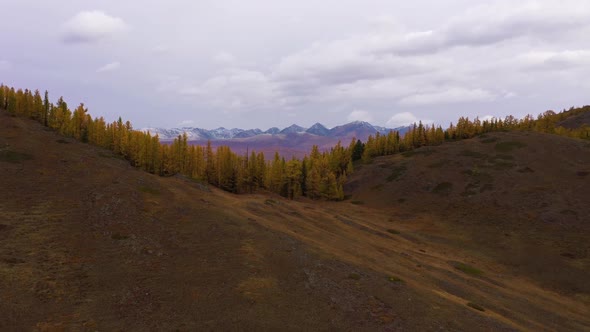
{"x": 266, "y": 63}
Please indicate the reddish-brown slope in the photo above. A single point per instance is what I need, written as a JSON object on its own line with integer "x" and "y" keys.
{"x": 89, "y": 243}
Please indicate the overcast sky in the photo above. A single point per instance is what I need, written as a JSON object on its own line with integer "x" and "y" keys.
{"x": 263, "y": 63}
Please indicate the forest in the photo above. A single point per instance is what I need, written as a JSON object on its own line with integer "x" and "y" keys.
{"x": 319, "y": 175}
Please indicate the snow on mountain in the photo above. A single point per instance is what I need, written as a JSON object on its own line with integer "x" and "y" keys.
{"x": 272, "y": 131}
{"x": 292, "y": 129}
{"x": 358, "y": 129}
{"x": 318, "y": 129}
{"x": 248, "y": 133}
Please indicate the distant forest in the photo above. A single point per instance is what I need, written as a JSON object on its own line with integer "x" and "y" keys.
{"x": 319, "y": 175}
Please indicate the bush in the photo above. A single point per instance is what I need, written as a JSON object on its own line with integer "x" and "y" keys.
{"x": 395, "y": 279}
{"x": 475, "y": 306}
{"x": 354, "y": 276}
{"x": 489, "y": 140}
{"x": 509, "y": 146}
{"x": 467, "y": 269}
{"x": 396, "y": 173}
{"x": 443, "y": 188}
{"x": 149, "y": 190}
{"x": 14, "y": 157}
{"x": 472, "y": 154}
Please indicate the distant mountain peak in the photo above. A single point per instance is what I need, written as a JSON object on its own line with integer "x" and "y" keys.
{"x": 318, "y": 129}
{"x": 361, "y": 123}
{"x": 358, "y": 129}
{"x": 292, "y": 129}
{"x": 273, "y": 131}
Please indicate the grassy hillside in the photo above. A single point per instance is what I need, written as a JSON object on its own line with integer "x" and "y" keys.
{"x": 91, "y": 243}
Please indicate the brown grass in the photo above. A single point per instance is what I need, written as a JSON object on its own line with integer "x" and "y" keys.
{"x": 87, "y": 249}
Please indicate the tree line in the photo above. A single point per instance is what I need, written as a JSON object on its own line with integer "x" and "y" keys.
{"x": 319, "y": 175}
{"x": 420, "y": 135}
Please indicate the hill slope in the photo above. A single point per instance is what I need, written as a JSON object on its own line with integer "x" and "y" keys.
{"x": 519, "y": 199}
{"x": 88, "y": 242}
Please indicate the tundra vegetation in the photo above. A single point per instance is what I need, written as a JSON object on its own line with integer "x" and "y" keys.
{"x": 319, "y": 175}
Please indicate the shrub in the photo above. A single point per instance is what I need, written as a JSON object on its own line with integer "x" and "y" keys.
{"x": 489, "y": 140}
{"x": 354, "y": 276}
{"x": 395, "y": 279}
{"x": 475, "y": 306}
{"x": 149, "y": 190}
{"x": 443, "y": 188}
{"x": 472, "y": 154}
{"x": 467, "y": 269}
{"x": 396, "y": 173}
{"x": 14, "y": 157}
{"x": 119, "y": 237}
{"x": 509, "y": 146}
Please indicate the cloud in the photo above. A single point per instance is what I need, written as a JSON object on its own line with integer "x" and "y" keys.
{"x": 344, "y": 61}
{"x": 4, "y": 65}
{"x": 486, "y": 117}
{"x": 359, "y": 116}
{"x": 186, "y": 123}
{"x": 472, "y": 58}
{"x": 561, "y": 60}
{"x": 91, "y": 27}
{"x": 234, "y": 90}
{"x": 476, "y": 27}
{"x": 224, "y": 58}
{"x": 109, "y": 67}
{"x": 452, "y": 95}
{"x": 160, "y": 49}
{"x": 404, "y": 119}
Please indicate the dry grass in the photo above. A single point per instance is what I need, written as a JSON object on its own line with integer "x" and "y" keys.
{"x": 443, "y": 188}
{"x": 95, "y": 252}
{"x": 14, "y": 156}
{"x": 509, "y": 146}
{"x": 467, "y": 269}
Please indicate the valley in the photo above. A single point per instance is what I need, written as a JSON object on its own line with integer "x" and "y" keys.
{"x": 454, "y": 237}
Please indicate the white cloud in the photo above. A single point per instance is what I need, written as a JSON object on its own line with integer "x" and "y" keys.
{"x": 448, "y": 96}
{"x": 359, "y": 116}
{"x": 91, "y": 27}
{"x": 186, "y": 123}
{"x": 109, "y": 67}
{"x": 345, "y": 61}
{"x": 405, "y": 119}
{"x": 458, "y": 59}
{"x": 234, "y": 90}
{"x": 486, "y": 117}
{"x": 224, "y": 58}
{"x": 560, "y": 60}
{"x": 161, "y": 49}
{"x": 4, "y": 65}
{"x": 477, "y": 27}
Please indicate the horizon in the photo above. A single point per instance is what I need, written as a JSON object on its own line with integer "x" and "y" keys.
{"x": 264, "y": 65}
{"x": 281, "y": 128}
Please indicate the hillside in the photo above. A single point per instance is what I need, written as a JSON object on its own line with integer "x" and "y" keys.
{"x": 576, "y": 121}
{"x": 517, "y": 198}
{"x": 91, "y": 243}
{"x": 293, "y": 141}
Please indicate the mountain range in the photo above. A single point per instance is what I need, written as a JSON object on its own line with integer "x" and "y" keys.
{"x": 357, "y": 129}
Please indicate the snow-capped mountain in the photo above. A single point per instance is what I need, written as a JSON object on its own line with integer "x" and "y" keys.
{"x": 358, "y": 129}
{"x": 293, "y": 129}
{"x": 318, "y": 129}
{"x": 273, "y": 131}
